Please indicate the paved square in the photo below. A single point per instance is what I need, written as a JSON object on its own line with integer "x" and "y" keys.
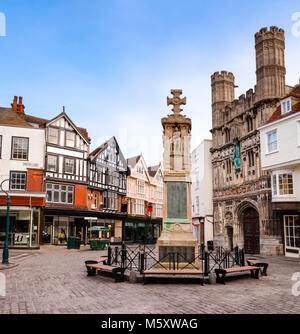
{"x": 54, "y": 280}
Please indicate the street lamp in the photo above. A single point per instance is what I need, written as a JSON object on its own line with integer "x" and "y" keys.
{"x": 5, "y": 249}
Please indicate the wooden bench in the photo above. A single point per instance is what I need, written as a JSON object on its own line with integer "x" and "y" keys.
{"x": 263, "y": 265}
{"x": 173, "y": 273}
{"x": 116, "y": 271}
{"x": 222, "y": 272}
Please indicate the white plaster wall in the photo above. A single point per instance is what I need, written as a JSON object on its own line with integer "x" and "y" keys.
{"x": 36, "y": 153}
{"x": 287, "y": 156}
{"x": 202, "y": 169}
{"x": 288, "y": 136}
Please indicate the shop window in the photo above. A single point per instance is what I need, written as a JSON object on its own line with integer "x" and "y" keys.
{"x": 20, "y": 147}
{"x": 292, "y": 231}
{"x": 59, "y": 193}
{"x": 18, "y": 180}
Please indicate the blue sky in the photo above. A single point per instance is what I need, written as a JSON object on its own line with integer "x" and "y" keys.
{"x": 112, "y": 63}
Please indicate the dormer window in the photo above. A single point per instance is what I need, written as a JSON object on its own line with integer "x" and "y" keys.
{"x": 139, "y": 170}
{"x": 286, "y": 106}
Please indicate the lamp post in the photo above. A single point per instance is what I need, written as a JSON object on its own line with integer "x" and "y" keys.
{"x": 5, "y": 255}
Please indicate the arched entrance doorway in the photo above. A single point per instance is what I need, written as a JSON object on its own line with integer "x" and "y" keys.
{"x": 250, "y": 221}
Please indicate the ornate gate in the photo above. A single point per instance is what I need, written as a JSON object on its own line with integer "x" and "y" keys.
{"x": 250, "y": 220}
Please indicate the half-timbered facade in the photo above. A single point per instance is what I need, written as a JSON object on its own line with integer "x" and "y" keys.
{"x": 145, "y": 201}
{"x": 66, "y": 152}
{"x": 107, "y": 174}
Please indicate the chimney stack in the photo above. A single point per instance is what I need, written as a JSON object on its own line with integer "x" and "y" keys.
{"x": 14, "y": 104}
{"x": 20, "y": 106}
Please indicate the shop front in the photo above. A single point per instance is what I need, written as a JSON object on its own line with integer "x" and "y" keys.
{"x": 141, "y": 231}
{"x": 289, "y": 215}
{"x": 24, "y": 227}
{"x": 58, "y": 228}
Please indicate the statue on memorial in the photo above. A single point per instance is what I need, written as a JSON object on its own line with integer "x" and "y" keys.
{"x": 236, "y": 158}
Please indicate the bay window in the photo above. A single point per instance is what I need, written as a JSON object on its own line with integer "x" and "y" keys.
{"x": 59, "y": 193}
{"x": 282, "y": 183}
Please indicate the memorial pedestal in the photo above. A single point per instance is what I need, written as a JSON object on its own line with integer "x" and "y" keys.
{"x": 177, "y": 245}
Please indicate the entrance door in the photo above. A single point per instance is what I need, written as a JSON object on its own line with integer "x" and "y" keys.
{"x": 250, "y": 220}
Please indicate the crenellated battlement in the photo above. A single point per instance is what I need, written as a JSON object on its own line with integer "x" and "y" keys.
{"x": 266, "y": 34}
{"x": 221, "y": 76}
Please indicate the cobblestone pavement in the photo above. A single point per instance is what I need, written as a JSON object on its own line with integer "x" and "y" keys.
{"x": 54, "y": 280}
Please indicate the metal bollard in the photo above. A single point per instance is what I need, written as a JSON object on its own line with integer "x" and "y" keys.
{"x": 109, "y": 256}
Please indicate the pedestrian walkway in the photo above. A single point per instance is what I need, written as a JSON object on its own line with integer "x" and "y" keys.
{"x": 54, "y": 280}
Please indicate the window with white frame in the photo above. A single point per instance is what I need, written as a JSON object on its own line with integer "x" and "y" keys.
{"x": 96, "y": 201}
{"x": 139, "y": 169}
{"x": 20, "y": 146}
{"x": 292, "y": 231}
{"x": 159, "y": 193}
{"x": 69, "y": 165}
{"x": 110, "y": 200}
{"x": 158, "y": 210}
{"x": 18, "y": 180}
{"x": 52, "y": 163}
{"x": 59, "y": 193}
{"x": 282, "y": 183}
{"x": 140, "y": 187}
{"x": 286, "y": 106}
{"x": 159, "y": 177}
{"x": 70, "y": 139}
{"x": 272, "y": 141}
{"x": 139, "y": 207}
{"x": 53, "y": 136}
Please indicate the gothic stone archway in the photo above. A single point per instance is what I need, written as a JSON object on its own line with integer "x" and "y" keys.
{"x": 250, "y": 221}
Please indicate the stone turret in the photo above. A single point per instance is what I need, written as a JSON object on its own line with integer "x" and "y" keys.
{"x": 270, "y": 64}
{"x": 222, "y": 88}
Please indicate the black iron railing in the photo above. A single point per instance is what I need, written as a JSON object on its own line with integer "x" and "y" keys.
{"x": 143, "y": 257}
